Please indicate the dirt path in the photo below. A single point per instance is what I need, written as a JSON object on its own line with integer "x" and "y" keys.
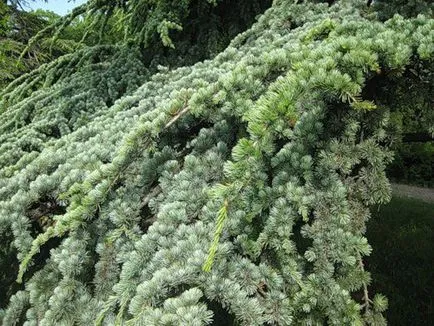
{"x": 425, "y": 194}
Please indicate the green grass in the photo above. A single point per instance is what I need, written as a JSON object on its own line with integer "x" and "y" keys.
{"x": 402, "y": 262}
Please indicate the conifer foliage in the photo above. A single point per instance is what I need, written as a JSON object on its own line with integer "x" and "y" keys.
{"x": 234, "y": 189}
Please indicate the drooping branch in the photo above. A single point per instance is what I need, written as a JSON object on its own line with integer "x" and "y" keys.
{"x": 57, "y": 26}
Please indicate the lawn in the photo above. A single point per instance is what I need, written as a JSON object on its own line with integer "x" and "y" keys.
{"x": 402, "y": 262}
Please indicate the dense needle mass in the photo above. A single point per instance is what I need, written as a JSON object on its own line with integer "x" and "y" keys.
{"x": 240, "y": 183}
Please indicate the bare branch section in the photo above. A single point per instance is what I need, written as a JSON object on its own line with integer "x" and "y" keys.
{"x": 154, "y": 192}
{"x": 366, "y": 301}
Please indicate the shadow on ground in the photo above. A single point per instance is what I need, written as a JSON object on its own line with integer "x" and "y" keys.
{"x": 402, "y": 262}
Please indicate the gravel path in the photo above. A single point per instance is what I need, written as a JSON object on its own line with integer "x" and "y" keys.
{"x": 425, "y": 194}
